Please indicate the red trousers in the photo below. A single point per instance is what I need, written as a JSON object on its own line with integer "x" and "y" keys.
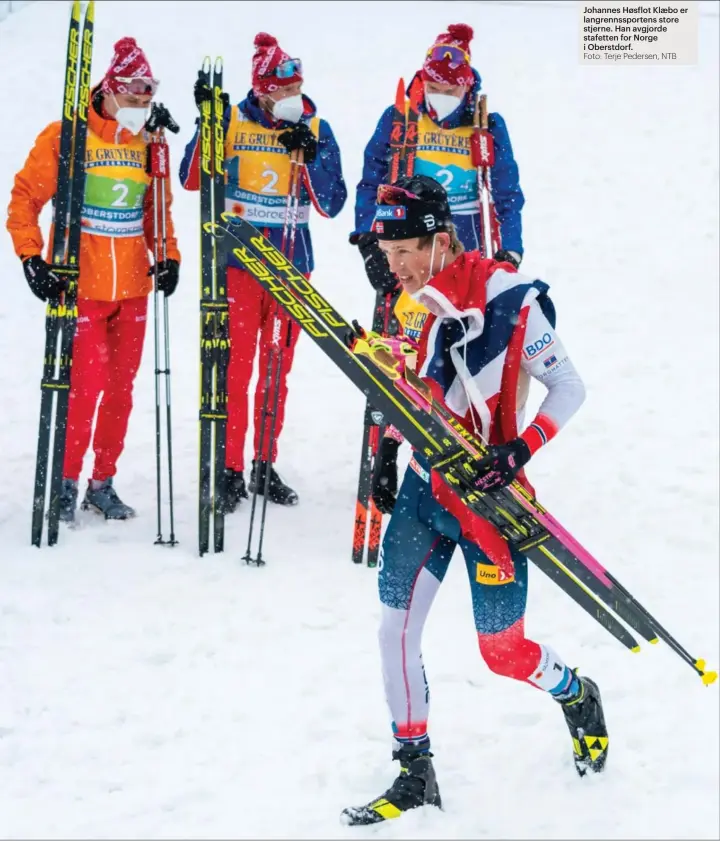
{"x": 253, "y": 313}
{"x": 106, "y": 356}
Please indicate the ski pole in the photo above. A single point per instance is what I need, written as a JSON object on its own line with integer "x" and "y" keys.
{"x": 482, "y": 152}
{"x": 297, "y": 162}
{"x": 159, "y": 169}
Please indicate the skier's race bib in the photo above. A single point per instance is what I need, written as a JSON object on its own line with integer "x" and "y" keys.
{"x": 258, "y": 174}
{"x": 444, "y": 154}
{"x": 115, "y": 186}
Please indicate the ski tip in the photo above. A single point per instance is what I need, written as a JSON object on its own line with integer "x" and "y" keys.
{"x": 218, "y": 64}
{"x": 206, "y": 64}
{"x": 90, "y": 11}
{"x": 635, "y": 649}
{"x": 76, "y": 11}
{"x": 654, "y": 641}
{"x": 707, "y": 678}
{"x": 400, "y": 95}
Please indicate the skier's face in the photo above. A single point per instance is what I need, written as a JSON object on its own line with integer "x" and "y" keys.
{"x": 414, "y": 261}
{"x": 458, "y": 91}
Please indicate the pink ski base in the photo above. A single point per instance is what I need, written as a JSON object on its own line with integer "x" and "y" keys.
{"x": 563, "y": 535}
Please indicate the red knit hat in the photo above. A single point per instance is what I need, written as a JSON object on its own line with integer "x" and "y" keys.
{"x": 271, "y": 67}
{"x": 129, "y": 71}
{"x": 450, "y": 66}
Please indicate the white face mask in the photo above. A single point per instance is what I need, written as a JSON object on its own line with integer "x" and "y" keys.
{"x": 442, "y": 104}
{"x": 289, "y": 109}
{"x": 133, "y": 119}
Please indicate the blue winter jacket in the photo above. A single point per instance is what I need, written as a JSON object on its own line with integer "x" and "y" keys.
{"x": 507, "y": 195}
{"x": 328, "y": 191}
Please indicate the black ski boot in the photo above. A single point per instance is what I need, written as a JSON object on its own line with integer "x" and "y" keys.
{"x": 68, "y": 501}
{"x": 235, "y": 489}
{"x": 416, "y": 786}
{"x": 586, "y": 722}
{"x": 104, "y": 500}
{"x": 278, "y": 491}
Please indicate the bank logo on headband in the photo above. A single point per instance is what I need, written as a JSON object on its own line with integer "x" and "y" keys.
{"x": 390, "y": 212}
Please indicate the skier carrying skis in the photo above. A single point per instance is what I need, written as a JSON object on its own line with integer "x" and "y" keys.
{"x": 450, "y": 88}
{"x": 115, "y": 277}
{"x": 488, "y": 332}
{"x": 274, "y": 120}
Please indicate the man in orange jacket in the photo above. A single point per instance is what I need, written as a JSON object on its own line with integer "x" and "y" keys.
{"x": 115, "y": 275}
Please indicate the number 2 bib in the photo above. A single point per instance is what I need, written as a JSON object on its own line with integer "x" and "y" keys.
{"x": 444, "y": 154}
{"x": 115, "y": 185}
{"x": 258, "y": 173}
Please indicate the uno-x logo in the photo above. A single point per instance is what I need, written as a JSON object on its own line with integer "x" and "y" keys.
{"x": 492, "y": 575}
{"x": 542, "y": 344}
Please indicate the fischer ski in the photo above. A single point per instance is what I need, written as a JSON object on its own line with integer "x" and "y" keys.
{"x": 61, "y": 315}
{"x": 407, "y": 404}
{"x": 214, "y": 329}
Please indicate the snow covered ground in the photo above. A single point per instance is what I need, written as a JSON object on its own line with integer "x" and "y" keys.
{"x": 147, "y": 693}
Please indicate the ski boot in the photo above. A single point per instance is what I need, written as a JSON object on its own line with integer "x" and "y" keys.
{"x": 586, "y": 722}
{"x": 105, "y": 500}
{"x": 278, "y": 491}
{"x": 68, "y": 500}
{"x": 235, "y": 489}
{"x": 416, "y": 786}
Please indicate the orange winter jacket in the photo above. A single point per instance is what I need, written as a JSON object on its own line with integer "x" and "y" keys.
{"x": 117, "y": 221}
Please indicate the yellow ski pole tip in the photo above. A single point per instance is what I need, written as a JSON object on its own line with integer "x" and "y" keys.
{"x": 654, "y": 641}
{"x": 709, "y": 677}
{"x": 635, "y": 649}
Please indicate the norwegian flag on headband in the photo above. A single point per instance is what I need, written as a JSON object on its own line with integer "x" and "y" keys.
{"x": 129, "y": 62}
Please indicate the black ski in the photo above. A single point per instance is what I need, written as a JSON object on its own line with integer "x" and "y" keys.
{"x": 214, "y": 330}
{"x": 452, "y": 451}
{"x": 61, "y": 315}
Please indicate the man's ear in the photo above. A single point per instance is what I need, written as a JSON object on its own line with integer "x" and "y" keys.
{"x": 444, "y": 238}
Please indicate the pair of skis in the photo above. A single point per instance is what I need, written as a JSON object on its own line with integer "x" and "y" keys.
{"x": 367, "y": 527}
{"x": 61, "y": 314}
{"x": 406, "y": 403}
{"x": 214, "y": 328}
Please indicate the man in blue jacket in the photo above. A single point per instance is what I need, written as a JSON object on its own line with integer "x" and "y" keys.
{"x": 260, "y": 134}
{"x": 450, "y": 90}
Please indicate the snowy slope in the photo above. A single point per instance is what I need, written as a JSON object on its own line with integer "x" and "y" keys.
{"x": 145, "y": 693}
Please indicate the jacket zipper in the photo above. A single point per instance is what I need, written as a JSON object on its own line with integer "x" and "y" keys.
{"x": 114, "y": 269}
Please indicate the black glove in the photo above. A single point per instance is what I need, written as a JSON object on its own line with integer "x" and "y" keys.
{"x": 377, "y": 267}
{"x": 202, "y": 93}
{"x": 300, "y": 137}
{"x": 168, "y": 274}
{"x": 160, "y": 117}
{"x": 501, "y": 465}
{"x": 511, "y": 257}
{"x": 385, "y": 476}
{"x": 43, "y": 281}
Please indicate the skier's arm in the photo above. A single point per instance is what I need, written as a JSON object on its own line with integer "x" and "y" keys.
{"x": 323, "y": 176}
{"x": 376, "y": 170}
{"x": 190, "y": 164}
{"x": 545, "y": 359}
{"x": 33, "y": 188}
{"x": 505, "y": 181}
{"x": 149, "y": 214}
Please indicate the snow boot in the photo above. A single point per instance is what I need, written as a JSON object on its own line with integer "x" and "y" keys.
{"x": 68, "y": 500}
{"x": 235, "y": 489}
{"x": 105, "y": 500}
{"x": 586, "y": 722}
{"x": 278, "y": 491}
{"x": 416, "y": 786}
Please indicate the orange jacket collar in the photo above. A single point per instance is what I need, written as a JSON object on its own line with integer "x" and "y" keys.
{"x": 107, "y": 129}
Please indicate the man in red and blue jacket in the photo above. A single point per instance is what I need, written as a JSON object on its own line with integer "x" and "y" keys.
{"x": 450, "y": 89}
{"x": 261, "y": 132}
